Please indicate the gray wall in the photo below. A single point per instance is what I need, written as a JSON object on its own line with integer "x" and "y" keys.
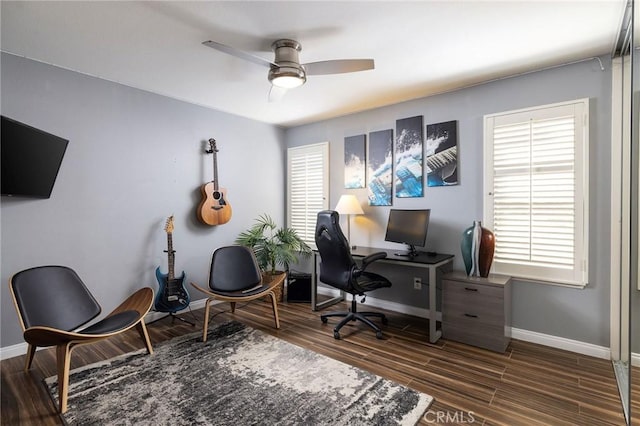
{"x": 582, "y": 315}
{"x": 133, "y": 159}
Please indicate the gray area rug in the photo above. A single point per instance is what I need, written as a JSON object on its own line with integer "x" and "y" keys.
{"x": 240, "y": 376}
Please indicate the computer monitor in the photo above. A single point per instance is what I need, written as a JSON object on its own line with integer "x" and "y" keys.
{"x": 408, "y": 227}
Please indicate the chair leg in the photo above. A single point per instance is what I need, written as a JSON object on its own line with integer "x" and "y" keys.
{"x": 63, "y": 359}
{"x": 367, "y": 321}
{"x": 354, "y": 315}
{"x": 233, "y": 307}
{"x": 142, "y": 329}
{"x": 31, "y": 351}
{"x": 349, "y": 317}
{"x": 205, "y": 325}
{"x": 323, "y": 317}
{"x": 274, "y": 303}
{"x": 373, "y": 314}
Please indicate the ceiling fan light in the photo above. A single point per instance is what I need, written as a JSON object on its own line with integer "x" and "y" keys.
{"x": 287, "y": 81}
{"x": 287, "y": 77}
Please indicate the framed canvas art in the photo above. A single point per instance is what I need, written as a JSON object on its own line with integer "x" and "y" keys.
{"x": 442, "y": 154}
{"x": 408, "y": 158}
{"x": 380, "y": 168}
{"x": 354, "y": 161}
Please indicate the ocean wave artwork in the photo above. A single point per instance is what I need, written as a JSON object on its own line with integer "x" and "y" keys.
{"x": 408, "y": 159}
{"x": 380, "y": 168}
{"x": 354, "y": 161}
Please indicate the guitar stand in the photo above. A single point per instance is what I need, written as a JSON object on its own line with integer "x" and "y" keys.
{"x": 175, "y": 317}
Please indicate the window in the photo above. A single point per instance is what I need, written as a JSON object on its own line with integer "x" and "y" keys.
{"x": 536, "y": 191}
{"x": 307, "y": 187}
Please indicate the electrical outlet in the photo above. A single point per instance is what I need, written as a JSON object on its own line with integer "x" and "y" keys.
{"x": 417, "y": 283}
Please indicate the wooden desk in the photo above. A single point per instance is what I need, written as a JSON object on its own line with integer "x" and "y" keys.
{"x": 422, "y": 260}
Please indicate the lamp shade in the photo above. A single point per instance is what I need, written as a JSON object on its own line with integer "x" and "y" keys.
{"x": 349, "y": 204}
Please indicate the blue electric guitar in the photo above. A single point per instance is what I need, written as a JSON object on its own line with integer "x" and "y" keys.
{"x": 172, "y": 295}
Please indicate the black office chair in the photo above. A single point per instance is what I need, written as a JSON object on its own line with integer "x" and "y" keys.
{"x": 339, "y": 270}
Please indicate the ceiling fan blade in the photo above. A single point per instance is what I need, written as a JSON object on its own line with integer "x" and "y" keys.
{"x": 338, "y": 66}
{"x": 238, "y": 53}
{"x": 276, "y": 93}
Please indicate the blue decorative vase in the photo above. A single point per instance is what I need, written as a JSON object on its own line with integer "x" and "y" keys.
{"x": 477, "y": 247}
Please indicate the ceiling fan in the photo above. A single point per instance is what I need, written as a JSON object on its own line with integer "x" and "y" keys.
{"x": 286, "y": 71}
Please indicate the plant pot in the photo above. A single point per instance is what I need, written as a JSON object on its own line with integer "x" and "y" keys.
{"x": 268, "y": 276}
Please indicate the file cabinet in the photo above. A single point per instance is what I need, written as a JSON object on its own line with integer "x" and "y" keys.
{"x": 477, "y": 311}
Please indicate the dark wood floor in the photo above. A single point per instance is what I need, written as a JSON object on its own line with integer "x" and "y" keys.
{"x": 528, "y": 385}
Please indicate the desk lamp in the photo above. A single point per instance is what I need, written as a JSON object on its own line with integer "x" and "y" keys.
{"x": 349, "y": 205}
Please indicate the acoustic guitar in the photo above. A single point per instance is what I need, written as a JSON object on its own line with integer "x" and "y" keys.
{"x": 172, "y": 295}
{"x": 214, "y": 208}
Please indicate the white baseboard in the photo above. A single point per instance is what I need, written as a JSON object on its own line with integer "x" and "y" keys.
{"x": 526, "y": 335}
{"x": 21, "y": 348}
{"x": 569, "y": 345}
{"x": 13, "y": 350}
{"x": 561, "y": 343}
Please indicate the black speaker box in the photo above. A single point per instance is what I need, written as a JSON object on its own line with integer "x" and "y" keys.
{"x": 299, "y": 287}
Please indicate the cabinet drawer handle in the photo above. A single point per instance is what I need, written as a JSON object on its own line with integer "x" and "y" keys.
{"x": 471, "y": 289}
{"x": 470, "y": 315}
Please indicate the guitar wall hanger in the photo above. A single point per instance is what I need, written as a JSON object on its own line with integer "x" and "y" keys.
{"x": 211, "y": 150}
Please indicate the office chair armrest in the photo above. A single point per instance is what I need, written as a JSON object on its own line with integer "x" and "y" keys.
{"x": 372, "y": 258}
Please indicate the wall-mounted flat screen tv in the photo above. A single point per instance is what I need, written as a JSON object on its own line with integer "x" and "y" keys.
{"x": 30, "y": 159}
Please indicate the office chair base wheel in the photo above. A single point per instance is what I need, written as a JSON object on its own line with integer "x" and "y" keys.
{"x": 379, "y": 334}
{"x": 336, "y": 335}
{"x": 324, "y": 320}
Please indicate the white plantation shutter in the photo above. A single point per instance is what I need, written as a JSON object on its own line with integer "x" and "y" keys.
{"x": 308, "y": 183}
{"x": 536, "y": 193}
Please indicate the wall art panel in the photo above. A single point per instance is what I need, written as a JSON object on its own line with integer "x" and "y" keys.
{"x": 442, "y": 154}
{"x": 354, "y": 161}
{"x": 380, "y": 168}
{"x": 408, "y": 157}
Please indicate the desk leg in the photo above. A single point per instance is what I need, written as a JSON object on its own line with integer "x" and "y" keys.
{"x": 315, "y": 306}
{"x": 314, "y": 283}
{"x": 434, "y": 333}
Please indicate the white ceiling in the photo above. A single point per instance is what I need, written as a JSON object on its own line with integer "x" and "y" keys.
{"x": 420, "y": 47}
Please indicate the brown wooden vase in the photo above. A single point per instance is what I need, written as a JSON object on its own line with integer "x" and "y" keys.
{"x": 487, "y": 248}
{"x": 477, "y": 247}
